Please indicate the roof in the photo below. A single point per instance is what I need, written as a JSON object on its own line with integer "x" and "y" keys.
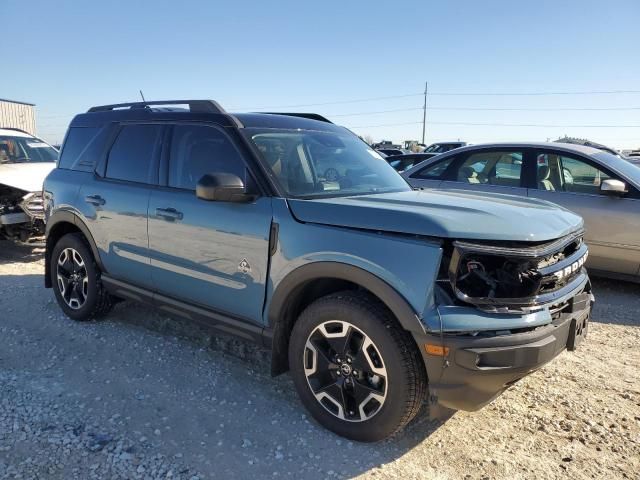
{"x": 568, "y": 147}
{"x": 98, "y": 116}
{"x": 16, "y": 101}
{"x": 10, "y": 132}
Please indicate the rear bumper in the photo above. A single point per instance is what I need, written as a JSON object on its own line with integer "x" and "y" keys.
{"x": 477, "y": 369}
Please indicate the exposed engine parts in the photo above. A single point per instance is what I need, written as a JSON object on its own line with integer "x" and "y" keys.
{"x": 516, "y": 277}
{"x": 21, "y": 216}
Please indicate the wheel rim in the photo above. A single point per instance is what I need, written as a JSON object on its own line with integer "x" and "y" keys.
{"x": 73, "y": 281}
{"x": 345, "y": 371}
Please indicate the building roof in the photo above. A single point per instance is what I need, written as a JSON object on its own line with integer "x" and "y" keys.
{"x": 16, "y": 101}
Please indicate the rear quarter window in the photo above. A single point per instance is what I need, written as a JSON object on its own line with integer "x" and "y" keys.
{"x": 75, "y": 146}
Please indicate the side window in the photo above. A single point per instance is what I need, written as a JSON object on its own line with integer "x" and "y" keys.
{"x": 197, "y": 150}
{"x": 76, "y": 142}
{"x": 568, "y": 174}
{"x": 435, "y": 171}
{"x": 133, "y": 154}
{"x": 502, "y": 168}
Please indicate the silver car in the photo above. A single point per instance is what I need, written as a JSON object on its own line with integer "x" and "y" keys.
{"x": 603, "y": 188}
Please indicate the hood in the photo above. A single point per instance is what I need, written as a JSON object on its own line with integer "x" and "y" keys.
{"x": 444, "y": 214}
{"x": 25, "y": 176}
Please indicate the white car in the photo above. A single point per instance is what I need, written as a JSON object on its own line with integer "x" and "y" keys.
{"x": 25, "y": 161}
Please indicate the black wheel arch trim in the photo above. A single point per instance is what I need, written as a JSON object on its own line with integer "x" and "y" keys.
{"x": 278, "y": 329}
{"x": 65, "y": 216}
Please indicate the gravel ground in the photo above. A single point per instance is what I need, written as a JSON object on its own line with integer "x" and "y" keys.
{"x": 139, "y": 395}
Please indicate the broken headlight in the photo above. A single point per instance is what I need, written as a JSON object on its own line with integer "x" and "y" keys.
{"x": 503, "y": 277}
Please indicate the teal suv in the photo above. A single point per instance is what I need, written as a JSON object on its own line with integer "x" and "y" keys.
{"x": 288, "y": 230}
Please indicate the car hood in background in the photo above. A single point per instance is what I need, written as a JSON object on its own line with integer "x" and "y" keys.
{"x": 446, "y": 214}
{"x": 25, "y": 176}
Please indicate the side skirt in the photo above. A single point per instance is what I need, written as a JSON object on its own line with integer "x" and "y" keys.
{"x": 236, "y": 326}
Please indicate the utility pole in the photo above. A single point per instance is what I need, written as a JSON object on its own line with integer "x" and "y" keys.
{"x": 424, "y": 111}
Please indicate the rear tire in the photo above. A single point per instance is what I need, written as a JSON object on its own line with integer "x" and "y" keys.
{"x": 381, "y": 383}
{"x": 76, "y": 282}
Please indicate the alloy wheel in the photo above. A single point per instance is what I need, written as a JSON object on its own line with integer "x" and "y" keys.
{"x": 73, "y": 280}
{"x": 345, "y": 371}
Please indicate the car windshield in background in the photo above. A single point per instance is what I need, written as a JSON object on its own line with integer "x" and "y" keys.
{"x": 320, "y": 164}
{"x": 25, "y": 150}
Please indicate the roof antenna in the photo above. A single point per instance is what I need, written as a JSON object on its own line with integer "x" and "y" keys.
{"x": 142, "y": 95}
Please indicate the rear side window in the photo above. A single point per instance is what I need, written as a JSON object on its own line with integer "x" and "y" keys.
{"x": 197, "y": 150}
{"x": 133, "y": 156}
{"x": 77, "y": 141}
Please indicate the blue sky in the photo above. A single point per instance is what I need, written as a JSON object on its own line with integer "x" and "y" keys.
{"x": 66, "y": 56}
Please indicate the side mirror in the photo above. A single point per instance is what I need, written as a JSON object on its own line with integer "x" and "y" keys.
{"x": 222, "y": 187}
{"x": 613, "y": 187}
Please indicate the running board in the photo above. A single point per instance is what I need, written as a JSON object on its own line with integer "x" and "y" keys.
{"x": 239, "y": 327}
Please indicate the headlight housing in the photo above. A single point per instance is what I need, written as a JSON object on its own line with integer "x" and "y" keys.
{"x": 503, "y": 277}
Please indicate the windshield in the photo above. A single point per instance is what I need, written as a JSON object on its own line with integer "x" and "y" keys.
{"x": 323, "y": 164}
{"x": 25, "y": 150}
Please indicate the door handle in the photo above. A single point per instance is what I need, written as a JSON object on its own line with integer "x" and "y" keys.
{"x": 169, "y": 213}
{"x": 96, "y": 200}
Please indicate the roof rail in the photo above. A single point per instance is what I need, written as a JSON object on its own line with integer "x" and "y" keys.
{"x": 200, "y": 106}
{"x": 310, "y": 116}
{"x": 15, "y": 129}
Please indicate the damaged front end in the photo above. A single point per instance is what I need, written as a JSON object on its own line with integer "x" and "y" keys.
{"x": 22, "y": 216}
{"x": 508, "y": 277}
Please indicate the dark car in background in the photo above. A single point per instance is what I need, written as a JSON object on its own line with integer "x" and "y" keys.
{"x": 442, "y": 147}
{"x": 391, "y": 151}
{"x": 404, "y": 162}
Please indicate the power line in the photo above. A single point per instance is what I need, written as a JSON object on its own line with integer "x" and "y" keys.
{"x": 515, "y": 94}
{"x": 481, "y": 109}
{"x": 497, "y": 125}
{"x": 339, "y": 102}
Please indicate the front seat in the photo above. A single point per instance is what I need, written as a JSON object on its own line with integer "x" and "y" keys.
{"x": 469, "y": 174}
{"x": 544, "y": 172}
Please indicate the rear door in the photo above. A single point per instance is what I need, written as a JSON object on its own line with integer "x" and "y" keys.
{"x": 212, "y": 254}
{"x": 116, "y": 199}
{"x": 612, "y": 223}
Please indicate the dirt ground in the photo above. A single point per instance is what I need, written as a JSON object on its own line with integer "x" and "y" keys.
{"x": 139, "y": 395}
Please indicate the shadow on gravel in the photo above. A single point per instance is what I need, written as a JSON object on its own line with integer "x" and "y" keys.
{"x": 617, "y": 302}
{"x": 12, "y": 253}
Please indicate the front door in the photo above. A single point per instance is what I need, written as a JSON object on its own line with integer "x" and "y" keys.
{"x": 489, "y": 170}
{"x": 212, "y": 254}
{"x": 612, "y": 223}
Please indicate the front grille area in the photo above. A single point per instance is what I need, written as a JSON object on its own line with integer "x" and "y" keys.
{"x": 33, "y": 205}
{"x": 516, "y": 277}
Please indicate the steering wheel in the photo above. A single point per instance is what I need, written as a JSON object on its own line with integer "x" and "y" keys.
{"x": 331, "y": 175}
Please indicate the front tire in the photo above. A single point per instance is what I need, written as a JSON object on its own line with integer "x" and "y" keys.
{"x": 355, "y": 369}
{"x": 76, "y": 280}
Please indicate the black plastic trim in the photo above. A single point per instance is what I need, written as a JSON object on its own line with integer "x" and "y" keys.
{"x": 224, "y": 322}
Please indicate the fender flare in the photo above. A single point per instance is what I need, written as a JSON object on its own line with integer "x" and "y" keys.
{"x": 65, "y": 216}
{"x": 286, "y": 291}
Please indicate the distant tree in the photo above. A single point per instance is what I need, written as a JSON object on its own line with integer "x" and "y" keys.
{"x": 368, "y": 138}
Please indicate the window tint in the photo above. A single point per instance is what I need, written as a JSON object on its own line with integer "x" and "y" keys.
{"x": 76, "y": 142}
{"x": 435, "y": 170}
{"x": 198, "y": 150}
{"x": 502, "y": 168}
{"x": 568, "y": 174}
{"x": 133, "y": 155}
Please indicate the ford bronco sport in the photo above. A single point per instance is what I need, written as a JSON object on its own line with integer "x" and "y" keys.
{"x": 290, "y": 231}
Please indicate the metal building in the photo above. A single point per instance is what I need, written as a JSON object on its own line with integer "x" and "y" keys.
{"x": 18, "y": 115}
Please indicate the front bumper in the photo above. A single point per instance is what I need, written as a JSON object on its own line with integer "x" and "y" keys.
{"x": 476, "y": 369}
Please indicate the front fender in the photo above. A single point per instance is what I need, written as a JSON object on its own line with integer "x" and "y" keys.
{"x": 400, "y": 270}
